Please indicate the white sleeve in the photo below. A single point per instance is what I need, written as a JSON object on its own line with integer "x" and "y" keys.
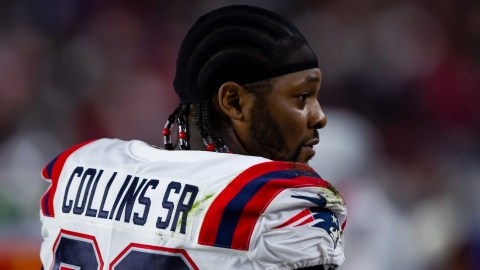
{"x": 283, "y": 215}
{"x": 302, "y": 227}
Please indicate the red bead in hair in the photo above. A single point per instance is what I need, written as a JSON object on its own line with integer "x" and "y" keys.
{"x": 182, "y": 135}
{"x": 166, "y": 132}
{"x": 210, "y": 147}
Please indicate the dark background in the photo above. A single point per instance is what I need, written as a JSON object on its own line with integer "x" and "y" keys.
{"x": 401, "y": 90}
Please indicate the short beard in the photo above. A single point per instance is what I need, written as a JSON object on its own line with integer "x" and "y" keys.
{"x": 267, "y": 136}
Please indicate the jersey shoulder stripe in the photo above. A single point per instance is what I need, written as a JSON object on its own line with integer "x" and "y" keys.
{"x": 231, "y": 219}
{"x": 52, "y": 172}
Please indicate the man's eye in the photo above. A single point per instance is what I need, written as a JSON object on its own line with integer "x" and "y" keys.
{"x": 304, "y": 96}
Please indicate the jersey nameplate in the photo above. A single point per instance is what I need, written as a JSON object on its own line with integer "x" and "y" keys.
{"x": 101, "y": 194}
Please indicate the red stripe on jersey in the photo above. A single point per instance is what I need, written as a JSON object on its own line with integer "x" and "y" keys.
{"x": 45, "y": 174}
{"x": 295, "y": 218}
{"x": 308, "y": 220}
{"x": 257, "y": 205}
{"x": 344, "y": 224}
{"x": 47, "y": 199}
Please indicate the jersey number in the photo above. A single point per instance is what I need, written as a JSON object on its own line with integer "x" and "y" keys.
{"x": 75, "y": 251}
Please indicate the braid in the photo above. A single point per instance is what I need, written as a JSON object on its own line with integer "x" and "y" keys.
{"x": 206, "y": 121}
{"x": 179, "y": 115}
{"x": 208, "y": 125}
{"x": 182, "y": 122}
{"x": 203, "y": 122}
{"x": 200, "y": 119}
{"x": 167, "y": 142}
{"x": 205, "y": 125}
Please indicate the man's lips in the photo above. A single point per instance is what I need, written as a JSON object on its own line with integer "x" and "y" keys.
{"x": 312, "y": 142}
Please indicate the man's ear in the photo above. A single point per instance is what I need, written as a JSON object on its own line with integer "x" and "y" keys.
{"x": 234, "y": 100}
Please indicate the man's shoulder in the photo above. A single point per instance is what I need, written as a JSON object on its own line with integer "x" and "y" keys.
{"x": 121, "y": 153}
{"x": 117, "y": 152}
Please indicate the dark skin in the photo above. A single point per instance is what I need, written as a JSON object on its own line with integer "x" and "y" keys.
{"x": 280, "y": 125}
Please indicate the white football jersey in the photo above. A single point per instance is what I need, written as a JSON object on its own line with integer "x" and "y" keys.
{"x": 116, "y": 204}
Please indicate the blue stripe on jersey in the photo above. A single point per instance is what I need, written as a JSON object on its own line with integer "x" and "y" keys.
{"x": 45, "y": 203}
{"x": 233, "y": 210}
{"x": 50, "y": 167}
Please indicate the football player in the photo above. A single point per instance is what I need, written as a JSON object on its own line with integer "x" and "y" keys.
{"x": 231, "y": 188}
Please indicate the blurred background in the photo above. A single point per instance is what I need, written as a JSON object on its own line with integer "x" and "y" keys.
{"x": 401, "y": 84}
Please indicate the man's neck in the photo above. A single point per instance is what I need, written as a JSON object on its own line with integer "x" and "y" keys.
{"x": 224, "y": 132}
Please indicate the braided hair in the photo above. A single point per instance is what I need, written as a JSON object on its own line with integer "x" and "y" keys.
{"x": 204, "y": 115}
{"x": 239, "y": 43}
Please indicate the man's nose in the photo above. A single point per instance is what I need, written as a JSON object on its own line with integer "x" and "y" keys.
{"x": 317, "y": 118}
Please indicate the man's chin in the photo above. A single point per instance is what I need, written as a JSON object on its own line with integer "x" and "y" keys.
{"x": 303, "y": 155}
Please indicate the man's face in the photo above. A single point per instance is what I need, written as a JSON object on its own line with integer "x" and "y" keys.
{"x": 284, "y": 122}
